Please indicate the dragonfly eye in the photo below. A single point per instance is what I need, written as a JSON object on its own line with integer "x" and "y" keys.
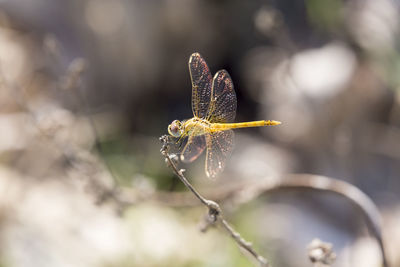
{"x": 174, "y": 128}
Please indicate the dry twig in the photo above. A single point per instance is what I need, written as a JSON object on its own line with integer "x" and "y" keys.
{"x": 214, "y": 211}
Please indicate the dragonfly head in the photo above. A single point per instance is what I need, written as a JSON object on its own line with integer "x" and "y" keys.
{"x": 175, "y": 128}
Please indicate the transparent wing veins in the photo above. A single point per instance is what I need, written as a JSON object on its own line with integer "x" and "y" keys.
{"x": 201, "y": 85}
{"x": 193, "y": 148}
{"x": 219, "y": 149}
{"x": 223, "y": 101}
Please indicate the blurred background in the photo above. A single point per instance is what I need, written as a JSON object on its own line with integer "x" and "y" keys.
{"x": 88, "y": 86}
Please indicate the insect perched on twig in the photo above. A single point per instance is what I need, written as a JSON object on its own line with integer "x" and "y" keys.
{"x": 214, "y": 109}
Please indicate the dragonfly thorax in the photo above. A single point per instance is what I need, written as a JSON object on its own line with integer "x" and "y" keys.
{"x": 196, "y": 126}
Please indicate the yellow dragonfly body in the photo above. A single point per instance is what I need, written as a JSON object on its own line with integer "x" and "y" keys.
{"x": 214, "y": 109}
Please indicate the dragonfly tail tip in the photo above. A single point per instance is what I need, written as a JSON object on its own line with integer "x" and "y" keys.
{"x": 272, "y": 122}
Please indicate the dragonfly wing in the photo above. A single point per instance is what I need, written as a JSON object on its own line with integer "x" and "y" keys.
{"x": 222, "y": 106}
{"x": 201, "y": 85}
{"x": 193, "y": 148}
{"x": 219, "y": 148}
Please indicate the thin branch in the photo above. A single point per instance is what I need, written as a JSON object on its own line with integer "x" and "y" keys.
{"x": 243, "y": 243}
{"x": 214, "y": 210}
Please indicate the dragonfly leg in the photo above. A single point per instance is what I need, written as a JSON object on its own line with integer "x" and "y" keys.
{"x": 180, "y": 140}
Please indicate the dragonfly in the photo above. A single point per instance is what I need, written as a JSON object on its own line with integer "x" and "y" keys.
{"x": 214, "y": 109}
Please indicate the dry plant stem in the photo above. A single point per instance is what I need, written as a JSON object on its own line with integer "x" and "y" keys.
{"x": 253, "y": 189}
{"x": 214, "y": 211}
{"x": 243, "y": 243}
{"x": 179, "y": 173}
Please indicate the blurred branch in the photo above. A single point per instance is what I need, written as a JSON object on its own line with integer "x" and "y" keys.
{"x": 244, "y": 192}
{"x": 214, "y": 211}
{"x": 73, "y": 156}
{"x": 361, "y": 201}
{"x": 74, "y": 80}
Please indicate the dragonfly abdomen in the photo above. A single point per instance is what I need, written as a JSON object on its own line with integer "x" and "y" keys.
{"x": 227, "y": 126}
